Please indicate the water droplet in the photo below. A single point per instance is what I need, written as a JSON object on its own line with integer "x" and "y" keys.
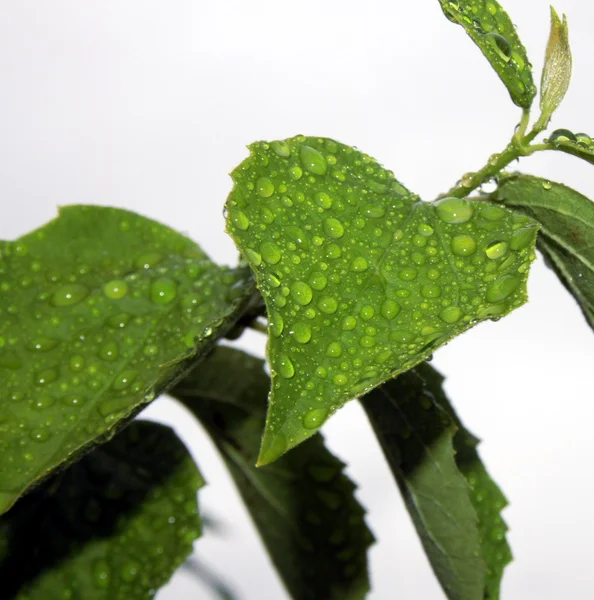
{"x": 118, "y": 321}
{"x": 463, "y": 245}
{"x": 301, "y": 293}
{"x": 124, "y": 379}
{"x": 148, "y": 260}
{"x": 109, "y": 351}
{"x": 101, "y": 574}
{"x": 333, "y": 251}
{"x": 562, "y": 135}
{"x": 76, "y": 363}
{"x": 323, "y": 200}
{"x": 522, "y": 238}
{"x": 69, "y": 294}
{"x": 270, "y": 252}
{"x": 454, "y": 210}
{"x": 390, "y": 309}
{"x": 276, "y": 323}
{"x": 253, "y": 257}
{"x": 318, "y": 281}
{"x": 42, "y": 402}
{"x": 163, "y": 290}
{"x": 42, "y": 344}
{"x": 46, "y": 376}
{"x": 496, "y": 250}
{"x": 425, "y": 230}
{"x": 547, "y": 185}
{"x": 401, "y": 336}
{"x": 408, "y": 274}
{"x": 334, "y": 350}
{"x": 296, "y": 173}
{"x": 333, "y": 228}
{"x": 500, "y": 44}
{"x": 151, "y": 350}
{"x": 281, "y": 149}
{"x": 340, "y": 379}
{"x": 367, "y": 312}
{"x": 359, "y": 264}
{"x": 314, "y": 418}
{"x": 502, "y": 288}
{"x": 285, "y": 368}
{"x": 115, "y": 289}
{"x": 264, "y": 187}
{"x": 430, "y": 291}
{"x": 374, "y": 211}
{"x": 328, "y": 305}
{"x": 493, "y": 213}
{"x": 349, "y": 323}
{"x": 239, "y": 219}
{"x": 302, "y": 332}
{"x": 312, "y": 160}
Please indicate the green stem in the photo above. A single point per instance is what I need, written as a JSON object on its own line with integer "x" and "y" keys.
{"x": 518, "y": 146}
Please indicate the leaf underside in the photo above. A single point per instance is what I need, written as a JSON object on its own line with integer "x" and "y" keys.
{"x": 303, "y": 505}
{"x": 100, "y": 311}
{"x": 567, "y": 234}
{"x": 361, "y": 279}
{"x": 114, "y": 526}
{"x": 453, "y": 502}
{"x": 491, "y": 29}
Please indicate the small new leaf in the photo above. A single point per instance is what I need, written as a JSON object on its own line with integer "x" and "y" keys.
{"x": 453, "y": 502}
{"x": 101, "y": 310}
{"x": 303, "y": 505}
{"x": 556, "y": 74}
{"x": 114, "y": 526}
{"x": 567, "y": 234}
{"x": 491, "y": 29}
{"x": 361, "y": 279}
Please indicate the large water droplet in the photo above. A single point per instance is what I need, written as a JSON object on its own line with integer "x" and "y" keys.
{"x": 334, "y": 350}
{"x": 323, "y": 200}
{"x": 454, "y": 210}
{"x": 374, "y": 211}
{"x": 301, "y": 293}
{"x": 69, "y": 294}
{"x": 101, "y": 574}
{"x": 276, "y": 323}
{"x": 451, "y": 314}
{"x": 42, "y": 344}
{"x": 503, "y": 288}
{"x": 124, "y": 379}
{"x": 390, "y": 309}
{"x": 522, "y": 238}
{"x": 500, "y": 44}
{"x": 312, "y": 160}
{"x": 281, "y": 149}
{"x": 463, "y": 245}
{"x": 333, "y": 228}
{"x": 109, "y": 351}
{"x": 349, "y": 323}
{"x": 430, "y": 291}
{"x": 318, "y": 281}
{"x": 496, "y": 250}
{"x": 270, "y": 252}
{"x": 163, "y": 290}
{"x": 359, "y": 264}
{"x": 239, "y": 219}
{"x": 302, "y": 332}
{"x": 328, "y": 305}
{"x": 562, "y": 135}
{"x": 285, "y": 366}
{"x": 115, "y": 289}
{"x": 46, "y": 376}
{"x": 264, "y": 187}
{"x": 314, "y": 418}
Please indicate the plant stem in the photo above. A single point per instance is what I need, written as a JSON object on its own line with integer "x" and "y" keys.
{"x": 518, "y": 146}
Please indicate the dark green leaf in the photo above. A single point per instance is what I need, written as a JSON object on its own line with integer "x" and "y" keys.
{"x": 491, "y": 29}
{"x": 114, "y": 526}
{"x": 556, "y": 74}
{"x": 567, "y": 233}
{"x": 361, "y": 279}
{"x": 453, "y": 502}
{"x": 100, "y": 311}
{"x": 576, "y": 144}
{"x": 303, "y": 505}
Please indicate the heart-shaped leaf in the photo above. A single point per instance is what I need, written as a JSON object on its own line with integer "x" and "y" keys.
{"x": 303, "y": 505}
{"x": 491, "y": 29}
{"x": 361, "y": 279}
{"x": 100, "y": 311}
{"x": 453, "y": 502}
{"x": 567, "y": 232}
{"x": 113, "y": 526}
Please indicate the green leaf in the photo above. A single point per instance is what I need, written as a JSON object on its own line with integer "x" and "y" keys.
{"x": 114, "y": 526}
{"x": 453, "y": 502}
{"x": 491, "y": 29}
{"x": 556, "y": 74}
{"x": 361, "y": 279}
{"x": 303, "y": 505}
{"x": 567, "y": 235}
{"x": 100, "y": 311}
{"x": 576, "y": 144}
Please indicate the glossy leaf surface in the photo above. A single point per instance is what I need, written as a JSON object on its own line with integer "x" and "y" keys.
{"x": 303, "y": 505}
{"x": 453, "y": 502}
{"x": 567, "y": 234}
{"x": 100, "y": 311}
{"x": 114, "y": 526}
{"x": 491, "y": 29}
{"x": 361, "y": 279}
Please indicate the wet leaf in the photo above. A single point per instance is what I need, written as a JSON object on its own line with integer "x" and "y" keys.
{"x": 491, "y": 29}
{"x": 303, "y": 505}
{"x": 567, "y": 235}
{"x": 576, "y": 144}
{"x": 100, "y": 311}
{"x": 361, "y": 279}
{"x": 556, "y": 74}
{"x": 113, "y": 526}
{"x": 453, "y": 502}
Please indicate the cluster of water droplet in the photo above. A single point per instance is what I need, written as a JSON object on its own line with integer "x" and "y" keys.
{"x": 489, "y": 25}
{"x": 360, "y": 278}
{"x": 83, "y": 335}
{"x": 561, "y": 137}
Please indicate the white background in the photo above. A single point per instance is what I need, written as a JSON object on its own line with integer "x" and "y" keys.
{"x": 148, "y": 105}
